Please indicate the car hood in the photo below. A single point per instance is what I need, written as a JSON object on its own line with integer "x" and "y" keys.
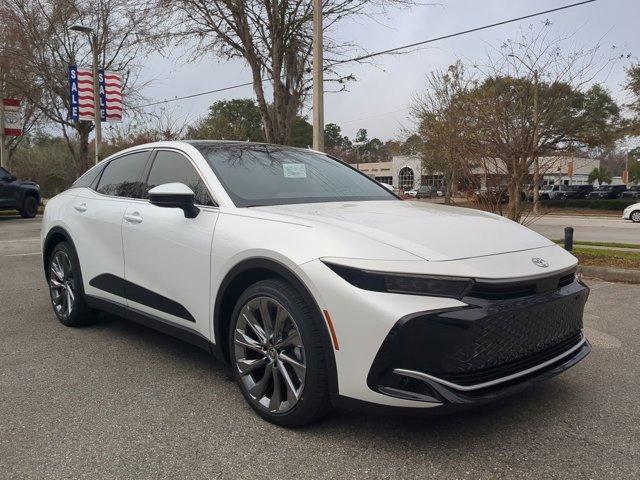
{"x": 25, "y": 183}
{"x": 431, "y": 232}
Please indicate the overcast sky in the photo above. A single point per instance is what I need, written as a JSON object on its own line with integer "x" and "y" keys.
{"x": 378, "y": 100}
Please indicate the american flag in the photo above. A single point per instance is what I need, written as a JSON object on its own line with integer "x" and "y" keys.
{"x": 81, "y": 101}
{"x": 111, "y": 99}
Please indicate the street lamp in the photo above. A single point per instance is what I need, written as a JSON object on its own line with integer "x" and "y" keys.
{"x": 534, "y": 140}
{"x": 93, "y": 42}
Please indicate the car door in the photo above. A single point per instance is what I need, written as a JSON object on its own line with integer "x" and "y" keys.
{"x": 167, "y": 256}
{"x": 7, "y": 193}
{"x": 95, "y": 223}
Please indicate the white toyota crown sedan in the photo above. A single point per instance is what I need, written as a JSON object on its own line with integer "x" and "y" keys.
{"x": 316, "y": 284}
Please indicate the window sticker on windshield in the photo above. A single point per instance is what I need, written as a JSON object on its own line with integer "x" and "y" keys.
{"x": 294, "y": 170}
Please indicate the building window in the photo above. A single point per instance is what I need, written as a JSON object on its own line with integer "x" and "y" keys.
{"x": 387, "y": 180}
{"x": 406, "y": 178}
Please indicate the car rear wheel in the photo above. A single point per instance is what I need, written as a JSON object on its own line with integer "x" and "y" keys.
{"x": 635, "y": 216}
{"x": 65, "y": 289}
{"x": 277, "y": 356}
{"x": 29, "y": 207}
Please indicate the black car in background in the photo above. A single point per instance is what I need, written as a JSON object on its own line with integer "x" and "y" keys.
{"x": 21, "y": 195}
{"x": 633, "y": 192}
{"x": 607, "y": 192}
{"x": 575, "y": 191}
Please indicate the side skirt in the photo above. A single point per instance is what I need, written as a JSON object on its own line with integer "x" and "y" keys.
{"x": 178, "y": 331}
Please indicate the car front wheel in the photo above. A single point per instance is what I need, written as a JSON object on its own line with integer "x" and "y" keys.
{"x": 277, "y": 356}
{"x": 29, "y": 207}
{"x": 635, "y": 216}
{"x": 65, "y": 287}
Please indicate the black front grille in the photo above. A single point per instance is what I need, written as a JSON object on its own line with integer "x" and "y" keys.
{"x": 486, "y": 375}
{"x": 487, "y": 339}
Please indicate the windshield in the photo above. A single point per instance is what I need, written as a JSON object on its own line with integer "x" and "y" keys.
{"x": 604, "y": 188}
{"x": 256, "y": 175}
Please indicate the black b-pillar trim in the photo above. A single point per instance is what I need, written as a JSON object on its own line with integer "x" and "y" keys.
{"x": 123, "y": 288}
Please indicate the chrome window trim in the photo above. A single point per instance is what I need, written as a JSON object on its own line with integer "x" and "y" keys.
{"x": 468, "y": 388}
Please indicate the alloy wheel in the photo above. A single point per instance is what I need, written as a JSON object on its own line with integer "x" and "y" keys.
{"x": 269, "y": 355}
{"x": 61, "y": 284}
{"x": 635, "y": 216}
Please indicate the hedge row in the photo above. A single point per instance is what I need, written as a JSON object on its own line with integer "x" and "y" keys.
{"x": 617, "y": 204}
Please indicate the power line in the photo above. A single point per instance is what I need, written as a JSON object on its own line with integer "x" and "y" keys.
{"x": 384, "y": 52}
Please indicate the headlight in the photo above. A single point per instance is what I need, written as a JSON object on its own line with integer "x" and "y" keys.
{"x": 432, "y": 286}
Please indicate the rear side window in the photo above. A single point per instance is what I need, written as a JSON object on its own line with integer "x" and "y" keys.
{"x": 122, "y": 177}
{"x": 171, "y": 167}
{"x": 88, "y": 178}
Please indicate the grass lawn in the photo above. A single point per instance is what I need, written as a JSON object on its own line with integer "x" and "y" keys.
{"x": 608, "y": 258}
{"x": 602, "y": 244}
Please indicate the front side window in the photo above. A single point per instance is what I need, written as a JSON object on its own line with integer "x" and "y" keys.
{"x": 256, "y": 175}
{"x": 122, "y": 177}
{"x": 171, "y": 167}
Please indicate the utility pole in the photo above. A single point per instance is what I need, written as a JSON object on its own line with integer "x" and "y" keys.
{"x": 97, "y": 118}
{"x": 318, "y": 80}
{"x": 96, "y": 98}
{"x": 3, "y": 154}
{"x": 534, "y": 149}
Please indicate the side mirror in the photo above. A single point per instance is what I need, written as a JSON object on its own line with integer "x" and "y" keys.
{"x": 174, "y": 195}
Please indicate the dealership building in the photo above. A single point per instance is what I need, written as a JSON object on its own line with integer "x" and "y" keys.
{"x": 407, "y": 172}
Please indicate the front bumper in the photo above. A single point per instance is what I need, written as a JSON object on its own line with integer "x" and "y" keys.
{"x": 488, "y": 349}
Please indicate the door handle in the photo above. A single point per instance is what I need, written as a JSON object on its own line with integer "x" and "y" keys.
{"x": 81, "y": 207}
{"x": 133, "y": 217}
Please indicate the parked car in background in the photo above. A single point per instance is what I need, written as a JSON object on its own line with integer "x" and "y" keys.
{"x": 574, "y": 192}
{"x": 412, "y": 193}
{"x": 608, "y": 192}
{"x": 21, "y": 195}
{"x": 632, "y": 212}
{"x": 632, "y": 192}
{"x": 426, "y": 191}
{"x": 553, "y": 192}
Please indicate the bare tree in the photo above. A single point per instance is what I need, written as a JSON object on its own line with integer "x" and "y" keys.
{"x": 440, "y": 113}
{"x": 538, "y": 100}
{"x": 274, "y": 39}
{"x": 46, "y": 47}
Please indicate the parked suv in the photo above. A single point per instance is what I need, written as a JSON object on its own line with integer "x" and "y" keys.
{"x": 607, "y": 192}
{"x": 21, "y": 195}
{"x": 633, "y": 192}
{"x": 426, "y": 191}
{"x": 575, "y": 191}
{"x": 553, "y": 192}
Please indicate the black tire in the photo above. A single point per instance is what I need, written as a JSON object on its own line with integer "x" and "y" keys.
{"x": 635, "y": 216}
{"x": 313, "y": 403}
{"x": 29, "y": 207}
{"x": 80, "y": 314}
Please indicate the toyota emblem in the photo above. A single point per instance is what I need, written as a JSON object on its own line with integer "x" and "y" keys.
{"x": 540, "y": 262}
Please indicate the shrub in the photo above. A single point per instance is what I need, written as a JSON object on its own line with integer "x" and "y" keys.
{"x": 616, "y": 204}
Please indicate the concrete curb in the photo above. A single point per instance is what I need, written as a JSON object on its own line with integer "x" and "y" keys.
{"x": 611, "y": 274}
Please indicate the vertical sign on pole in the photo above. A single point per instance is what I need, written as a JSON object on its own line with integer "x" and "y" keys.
{"x": 81, "y": 104}
{"x": 74, "y": 101}
{"x": 103, "y": 96}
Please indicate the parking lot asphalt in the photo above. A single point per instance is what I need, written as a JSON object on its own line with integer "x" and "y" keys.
{"x": 117, "y": 400}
